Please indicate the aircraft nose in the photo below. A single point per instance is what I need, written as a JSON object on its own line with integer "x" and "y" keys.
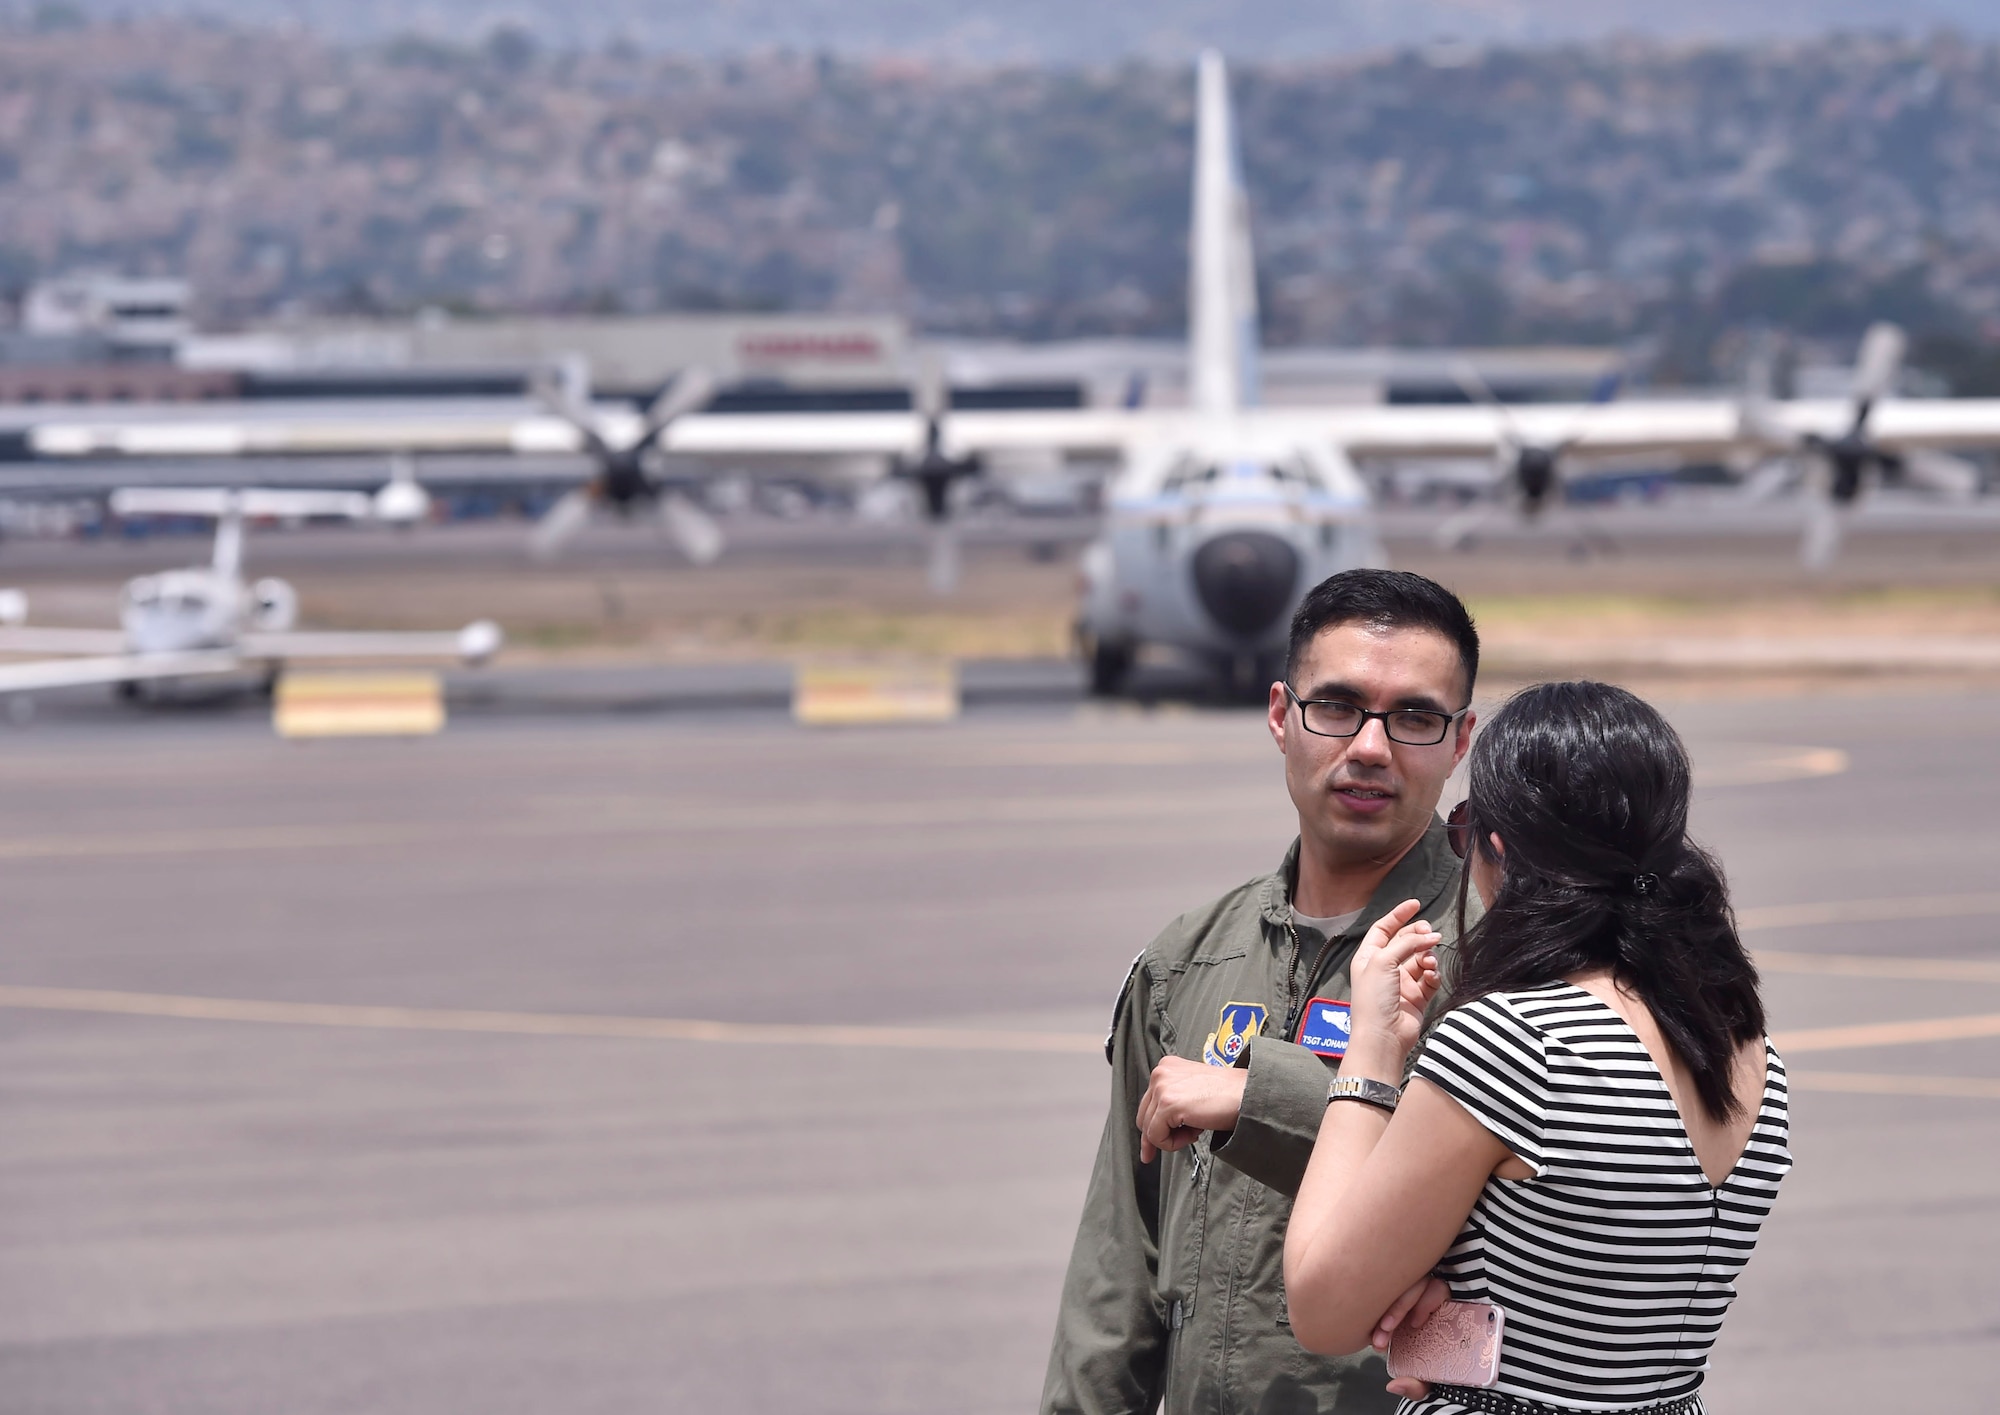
{"x": 1245, "y": 580}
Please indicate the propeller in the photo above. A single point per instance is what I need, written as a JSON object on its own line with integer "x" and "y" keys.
{"x": 935, "y": 473}
{"x": 622, "y": 480}
{"x": 1842, "y": 466}
{"x": 1529, "y": 471}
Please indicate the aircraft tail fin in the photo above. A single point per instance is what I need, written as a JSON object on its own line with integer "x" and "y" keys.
{"x": 1222, "y": 277}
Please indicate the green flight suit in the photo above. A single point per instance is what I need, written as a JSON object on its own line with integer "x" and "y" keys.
{"x": 1175, "y": 1289}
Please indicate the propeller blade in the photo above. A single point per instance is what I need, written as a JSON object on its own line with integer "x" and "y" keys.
{"x": 1949, "y": 476}
{"x": 1875, "y": 368}
{"x": 1477, "y": 390}
{"x": 1768, "y": 479}
{"x": 943, "y": 569}
{"x": 563, "y": 389}
{"x": 559, "y": 525}
{"x": 686, "y": 394}
{"x": 930, "y": 391}
{"x": 691, "y": 528}
{"x": 1459, "y": 529}
{"x": 1820, "y": 542}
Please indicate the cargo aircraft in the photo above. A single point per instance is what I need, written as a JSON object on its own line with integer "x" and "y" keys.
{"x": 207, "y": 620}
{"x": 1222, "y": 514}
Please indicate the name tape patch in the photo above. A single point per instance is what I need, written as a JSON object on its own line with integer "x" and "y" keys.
{"x": 1326, "y": 1028}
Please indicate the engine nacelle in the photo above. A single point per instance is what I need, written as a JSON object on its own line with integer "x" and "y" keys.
{"x": 402, "y": 503}
{"x": 274, "y": 606}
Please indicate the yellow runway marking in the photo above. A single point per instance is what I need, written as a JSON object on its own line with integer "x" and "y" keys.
{"x": 577, "y": 818}
{"x": 1869, "y": 911}
{"x": 1800, "y": 764}
{"x": 1839, "y": 965}
{"x": 1867, "y": 1083}
{"x": 1888, "y": 1034}
{"x": 687, "y": 1029}
{"x": 539, "y": 1024}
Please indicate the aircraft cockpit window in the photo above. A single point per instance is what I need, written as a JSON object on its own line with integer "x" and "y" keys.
{"x": 1296, "y": 471}
{"x": 1189, "y": 473}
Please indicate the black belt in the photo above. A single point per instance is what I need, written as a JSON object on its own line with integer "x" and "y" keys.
{"x": 1500, "y": 1403}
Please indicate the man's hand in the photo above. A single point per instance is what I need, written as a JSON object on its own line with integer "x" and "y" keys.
{"x": 1184, "y": 1098}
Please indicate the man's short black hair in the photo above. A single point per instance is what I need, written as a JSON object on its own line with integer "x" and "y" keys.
{"x": 1384, "y": 599}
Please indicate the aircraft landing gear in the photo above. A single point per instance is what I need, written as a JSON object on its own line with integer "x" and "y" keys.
{"x": 128, "y": 690}
{"x": 1110, "y": 665}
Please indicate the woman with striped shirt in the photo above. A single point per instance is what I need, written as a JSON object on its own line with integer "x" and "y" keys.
{"x": 1595, "y": 1127}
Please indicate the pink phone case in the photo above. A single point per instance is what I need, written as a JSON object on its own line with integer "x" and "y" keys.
{"x": 1458, "y": 1346}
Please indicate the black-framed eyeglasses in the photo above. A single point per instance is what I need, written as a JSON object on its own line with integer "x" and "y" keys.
{"x": 1458, "y": 829}
{"x": 1413, "y": 727}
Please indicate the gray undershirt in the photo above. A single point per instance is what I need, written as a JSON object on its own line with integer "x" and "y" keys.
{"x": 1326, "y": 928}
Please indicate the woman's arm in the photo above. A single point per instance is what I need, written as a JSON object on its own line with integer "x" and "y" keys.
{"x": 1384, "y": 1196}
{"x": 1382, "y": 1201}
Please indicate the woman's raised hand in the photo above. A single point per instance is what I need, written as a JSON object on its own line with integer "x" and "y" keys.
{"x": 1393, "y": 979}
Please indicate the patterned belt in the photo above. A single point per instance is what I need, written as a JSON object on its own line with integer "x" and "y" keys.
{"x": 1500, "y": 1403}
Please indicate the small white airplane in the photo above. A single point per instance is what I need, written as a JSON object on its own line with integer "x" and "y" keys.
{"x": 207, "y": 620}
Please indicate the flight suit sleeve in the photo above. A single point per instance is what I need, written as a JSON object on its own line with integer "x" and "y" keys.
{"x": 1284, "y": 1098}
{"x": 1284, "y": 1101}
{"x": 1110, "y": 1350}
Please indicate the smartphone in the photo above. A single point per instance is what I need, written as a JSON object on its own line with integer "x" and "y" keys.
{"x": 1458, "y": 1346}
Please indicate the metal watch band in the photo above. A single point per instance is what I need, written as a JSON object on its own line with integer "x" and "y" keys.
{"x": 1361, "y": 1088}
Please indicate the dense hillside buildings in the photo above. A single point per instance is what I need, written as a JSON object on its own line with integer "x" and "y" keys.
{"x": 1584, "y": 194}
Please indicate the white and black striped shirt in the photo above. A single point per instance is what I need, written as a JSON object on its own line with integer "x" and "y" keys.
{"x": 1616, "y": 1262}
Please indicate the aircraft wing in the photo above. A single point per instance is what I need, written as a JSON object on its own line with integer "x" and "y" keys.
{"x": 1689, "y": 427}
{"x": 249, "y": 501}
{"x": 475, "y": 642}
{"x": 695, "y": 435}
{"x": 116, "y": 668}
{"x": 1919, "y": 422}
{"x": 23, "y": 639}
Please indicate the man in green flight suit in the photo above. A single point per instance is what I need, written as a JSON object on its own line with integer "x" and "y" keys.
{"x": 1223, "y": 1034}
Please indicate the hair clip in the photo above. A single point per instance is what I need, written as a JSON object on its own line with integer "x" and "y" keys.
{"x": 1645, "y": 884}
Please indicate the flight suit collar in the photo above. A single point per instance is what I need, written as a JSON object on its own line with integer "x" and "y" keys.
{"x": 1418, "y": 875}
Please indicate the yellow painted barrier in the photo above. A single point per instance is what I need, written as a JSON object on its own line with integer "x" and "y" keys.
{"x": 359, "y": 705}
{"x": 853, "y": 694}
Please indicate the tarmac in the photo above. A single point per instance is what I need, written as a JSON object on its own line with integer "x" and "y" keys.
{"x": 635, "y": 1059}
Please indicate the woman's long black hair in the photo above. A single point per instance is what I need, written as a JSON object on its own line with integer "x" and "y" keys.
{"x": 1587, "y": 788}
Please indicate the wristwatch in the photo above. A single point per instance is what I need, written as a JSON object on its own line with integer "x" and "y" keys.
{"x": 1360, "y": 1088}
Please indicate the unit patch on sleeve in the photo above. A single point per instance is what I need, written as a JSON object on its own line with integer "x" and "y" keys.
{"x": 1325, "y": 1030}
{"x": 1240, "y": 1022}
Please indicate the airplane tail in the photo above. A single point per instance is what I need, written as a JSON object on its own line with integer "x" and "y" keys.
{"x": 1222, "y": 278}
